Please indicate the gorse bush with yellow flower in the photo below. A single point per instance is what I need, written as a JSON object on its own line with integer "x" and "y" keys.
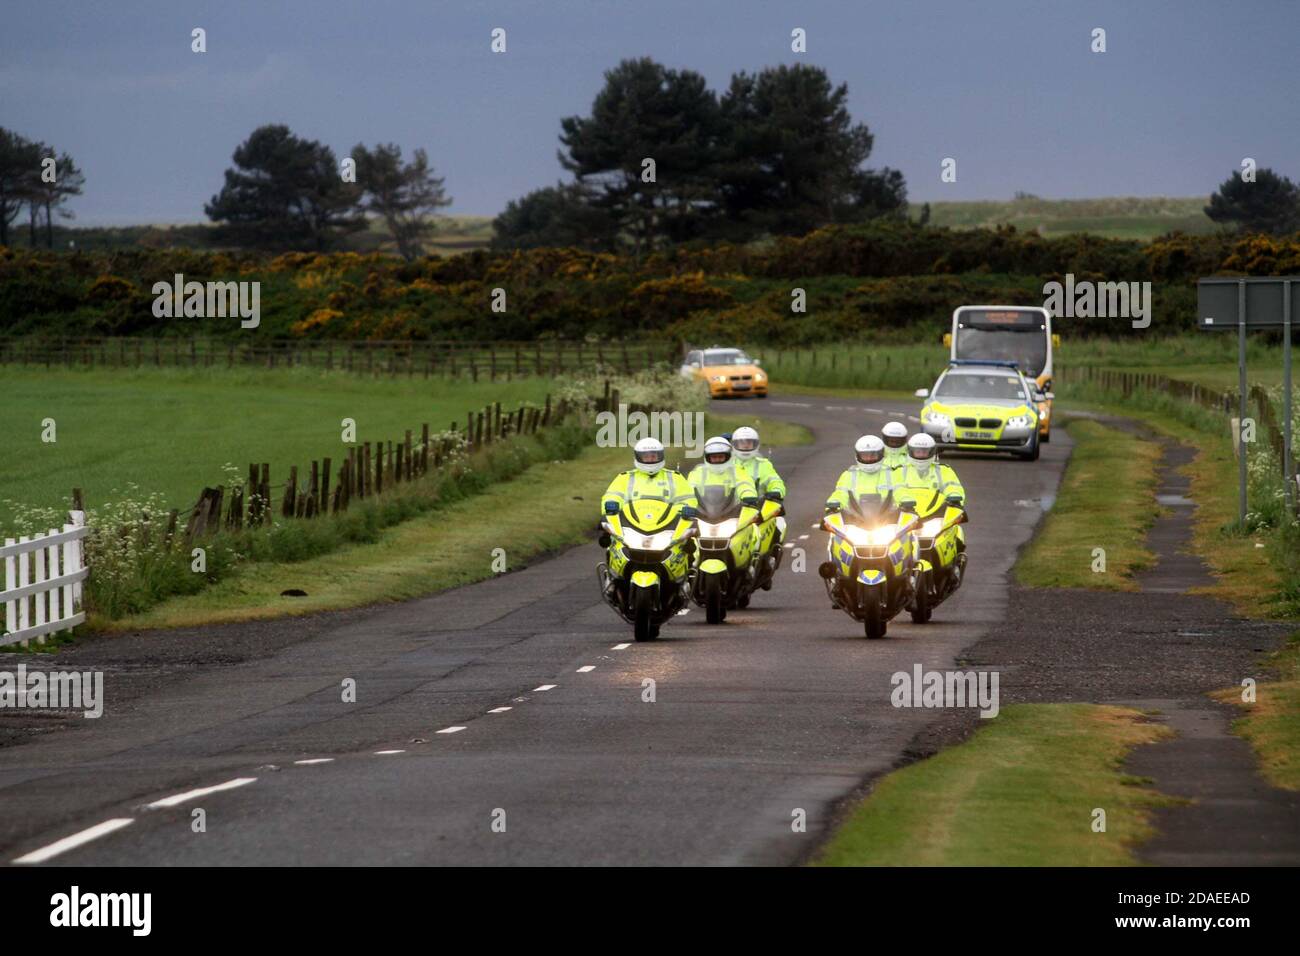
{"x": 884, "y": 278}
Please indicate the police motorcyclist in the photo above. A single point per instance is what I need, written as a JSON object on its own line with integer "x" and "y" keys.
{"x": 719, "y": 468}
{"x": 894, "y": 435}
{"x": 869, "y": 475}
{"x": 924, "y": 470}
{"x": 649, "y": 479}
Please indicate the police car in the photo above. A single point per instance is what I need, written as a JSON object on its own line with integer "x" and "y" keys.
{"x": 982, "y": 406}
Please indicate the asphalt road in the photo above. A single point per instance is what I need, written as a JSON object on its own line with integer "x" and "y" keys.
{"x": 784, "y": 708}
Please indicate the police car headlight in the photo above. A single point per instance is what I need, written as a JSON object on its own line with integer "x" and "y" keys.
{"x": 1019, "y": 421}
{"x": 937, "y": 418}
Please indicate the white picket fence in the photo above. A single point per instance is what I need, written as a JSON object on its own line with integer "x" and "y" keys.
{"x": 43, "y": 575}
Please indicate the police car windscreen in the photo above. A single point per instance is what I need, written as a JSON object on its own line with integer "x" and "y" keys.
{"x": 974, "y": 387}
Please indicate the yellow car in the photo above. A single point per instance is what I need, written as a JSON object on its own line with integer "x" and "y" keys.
{"x": 729, "y": 372}
{"x": 983, "y": 406}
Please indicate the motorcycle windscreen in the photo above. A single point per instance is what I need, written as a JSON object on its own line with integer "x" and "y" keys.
{"x": 928, "y": 500}
{"x": 871, "y": 509}
{"x": 718, "y": 503}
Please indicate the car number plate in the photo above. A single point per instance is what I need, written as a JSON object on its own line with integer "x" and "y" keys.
{"x": 977, "y": 435}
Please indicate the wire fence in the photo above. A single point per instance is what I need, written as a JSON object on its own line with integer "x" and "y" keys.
{"x": 472, "y": 359}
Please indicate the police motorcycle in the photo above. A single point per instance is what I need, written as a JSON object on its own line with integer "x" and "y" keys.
{"x": 724, "y": 573}
{"x": 940, "y": 560}
{"x": 870, "y": 573}
{"x": 647, "y": 566}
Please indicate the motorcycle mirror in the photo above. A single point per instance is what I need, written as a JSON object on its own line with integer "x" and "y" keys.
{"x": 954, "y": 500}
{"x": 604, "y": 540}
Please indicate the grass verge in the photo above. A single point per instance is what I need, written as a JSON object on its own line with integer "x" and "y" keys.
{"x": 1020, "y": 792}
{"x": 1254, "y": 567}
{"x": 1112, "y": 473}
{"x": 1272, "y": 722}
{"x": 439, "y": 549}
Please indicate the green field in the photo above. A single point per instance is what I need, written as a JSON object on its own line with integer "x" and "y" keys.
{"x": 1127, "y": 217}
{"x": 169, "y": 432}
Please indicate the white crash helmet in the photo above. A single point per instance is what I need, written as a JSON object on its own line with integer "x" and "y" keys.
{"x": 921, "y": 451}
{"x": 717, "y": 454}
{"x": 649, "y": 453}
{"x": 895, "y": 434}
{"x": 744, "y": 441}
{"x": 870, "y": 452}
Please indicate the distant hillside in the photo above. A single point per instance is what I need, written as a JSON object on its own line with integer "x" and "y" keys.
{"x": 454, "y": 234}
{"x": 1129, "y": 217}
{"x": 1114, "y": 218}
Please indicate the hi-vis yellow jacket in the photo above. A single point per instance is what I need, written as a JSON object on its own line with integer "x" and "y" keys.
{"x": 666, "y": 485}
{"x": 858, "y": 481}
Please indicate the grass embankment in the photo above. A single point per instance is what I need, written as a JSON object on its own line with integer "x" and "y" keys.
{"x": 169, "y": 432}
{"x": 1021, "y": 792}
{"x": 1112, "y": 476}
{"x": 445, "y": 547}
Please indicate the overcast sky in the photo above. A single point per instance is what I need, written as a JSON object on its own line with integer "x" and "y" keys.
{"x": 1186, "y": 89}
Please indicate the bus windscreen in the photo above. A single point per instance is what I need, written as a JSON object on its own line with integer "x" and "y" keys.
{"x": 1003, "y": 336}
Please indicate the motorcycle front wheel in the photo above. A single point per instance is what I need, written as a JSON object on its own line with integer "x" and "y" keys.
{"x": 921, "y": 607}
{"x": 873, "y": 617}
{"x": 714, "y": 600}
{"x": 643, "y": 615}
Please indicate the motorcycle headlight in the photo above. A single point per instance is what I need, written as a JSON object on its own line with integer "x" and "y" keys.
{"x": 882, "y": 535}
{"x": 931, "y": 527}
{"x": 661, "y": 541}
{"x": 723, "y": 529}
{"x": 857, "y": 536}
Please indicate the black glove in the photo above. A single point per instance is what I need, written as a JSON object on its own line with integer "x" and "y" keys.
{"x": 833, "y": 506}
{"x": 749, "y": 502}
{"x": 689, "y": 512}
{"x": 611, "y": 507}
{"x": 773, "y": 496}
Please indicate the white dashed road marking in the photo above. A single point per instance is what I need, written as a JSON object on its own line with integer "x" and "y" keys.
{"x": 451, "y": 730}
{"x": 200, "y": 792}
{"x": 498, "y": 710}
{"x": 74, "y": 841}
{"x": 314, "y": 760}
{"x": 544, "y": 687}
{"x": 385, "y": 753}
{"x": 803, "y": 537}
{"x": 621, "y": 647}
{"x": 586, "y": 667}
